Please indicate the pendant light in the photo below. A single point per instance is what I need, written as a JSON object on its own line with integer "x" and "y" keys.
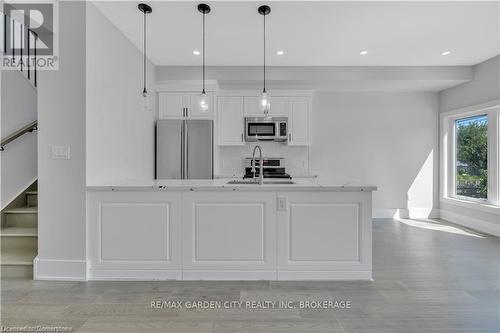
{"x": 203, "y": 9}
{"x": 145, "y": 9}
{"x": 264, "y": 99}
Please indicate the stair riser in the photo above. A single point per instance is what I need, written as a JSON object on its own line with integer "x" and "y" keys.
{"x": 21, "y": 220}
{"x": 32, "y": 200}
{"x": 17, "y": 271}
{"x": 12, "y": 244}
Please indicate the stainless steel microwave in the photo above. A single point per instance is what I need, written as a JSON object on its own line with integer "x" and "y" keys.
{"x": 266, "y": 129}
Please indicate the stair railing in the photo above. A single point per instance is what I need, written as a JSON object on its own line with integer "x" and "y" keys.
{"x": 28, "y": 38}
{"x": 26, "y": 129}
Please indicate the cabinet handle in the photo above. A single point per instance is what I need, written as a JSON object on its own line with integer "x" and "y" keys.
{"x": 242, "y": 139}
{"x": 187, "y": 113}
{"x": 289, "y": 136}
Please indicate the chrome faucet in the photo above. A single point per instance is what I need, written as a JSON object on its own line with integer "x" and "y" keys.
{"x": 261, "y": 165}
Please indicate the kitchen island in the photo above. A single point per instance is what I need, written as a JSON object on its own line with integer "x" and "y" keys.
{"x": 212, "y": 230}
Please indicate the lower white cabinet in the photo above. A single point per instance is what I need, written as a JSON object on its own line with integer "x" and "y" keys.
{"x": 134, "y": 234}
{"x": 321, "y": 232}
{"x": 232, "y": 232}
{"x": 236, "y": 235}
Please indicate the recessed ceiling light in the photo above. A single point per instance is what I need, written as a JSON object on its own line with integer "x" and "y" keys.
{"x": 364, "y": 52}
{"x": 280, "y": 52}
{"x": 196, "y": 52}
{"x": 445, "y": 53}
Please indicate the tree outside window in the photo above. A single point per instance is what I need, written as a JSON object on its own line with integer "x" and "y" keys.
{"x": 472, "y": 157}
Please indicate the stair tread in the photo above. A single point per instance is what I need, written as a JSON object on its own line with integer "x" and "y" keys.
{"x": 19, "y": 232}
{"x": 17, "y": 257}
{"x": 31, "y": 192}
{"x": 22, "y": 210}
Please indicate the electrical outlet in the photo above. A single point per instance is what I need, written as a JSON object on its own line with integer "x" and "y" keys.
{"x": 282, "y": 203}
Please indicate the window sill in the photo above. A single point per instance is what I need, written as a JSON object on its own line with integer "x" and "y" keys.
{"x": 484, "y": 207}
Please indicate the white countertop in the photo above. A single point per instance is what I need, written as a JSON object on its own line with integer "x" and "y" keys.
{"x": 221, "y": 184}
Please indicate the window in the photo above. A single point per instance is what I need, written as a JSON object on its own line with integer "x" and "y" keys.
{"x": 471, "y": 157}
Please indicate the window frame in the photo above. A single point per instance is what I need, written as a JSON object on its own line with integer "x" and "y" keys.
{"x": 448, "y": 155}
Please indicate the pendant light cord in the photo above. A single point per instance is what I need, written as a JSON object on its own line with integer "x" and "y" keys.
{"x": 264, "y": 54}
{"x": 203, "y": 46}
{"x": 144, "y": 91}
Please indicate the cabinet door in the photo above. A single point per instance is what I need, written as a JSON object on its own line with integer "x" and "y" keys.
{"x": 233, "y": 232}
{"x": 134, "y": 234}
{"x": 319, "y": 232}
{"x": 171, "y": 105}
{"x": 279, "y": 106}
{"x": 194, "y": 107}
{"x": 252, "y": 106}
{"x": 298, "y": 132}
{"x": 230, "y": 121}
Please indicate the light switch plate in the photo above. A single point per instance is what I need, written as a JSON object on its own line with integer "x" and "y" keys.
{"x": 282, "y": 203}
{"x": 60, "y": 153}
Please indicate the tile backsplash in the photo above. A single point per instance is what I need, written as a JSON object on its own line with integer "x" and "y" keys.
{"x": 230, "y": 158}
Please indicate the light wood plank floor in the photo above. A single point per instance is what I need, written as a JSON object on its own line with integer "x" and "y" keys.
{"x": 429, "y": 277}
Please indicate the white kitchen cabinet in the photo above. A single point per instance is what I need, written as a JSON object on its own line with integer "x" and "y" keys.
{"x": 182, "y": 105}
{"x": 193, "y": 106}
{"x": 234, "y": 233}
{"x": 230, "y": 121}
{"x": 279, "y": 106}
{"x": 322, "y": 232}
{"x": 134, "y": 234}
{"x": 171, "y": 105}
{"x": 299, "y": 121}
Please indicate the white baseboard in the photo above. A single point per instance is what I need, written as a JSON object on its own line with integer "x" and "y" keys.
{"x": 324, "y": 275}
{"x": 472, "y": 223}
{"x": 228, "y": 275}
{"x": 59, "y": 270}
{"x": 134, "y": 275}
{"x": 404, "y": 213}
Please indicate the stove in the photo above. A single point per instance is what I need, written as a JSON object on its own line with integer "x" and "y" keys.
{"x": 273, "y": 167}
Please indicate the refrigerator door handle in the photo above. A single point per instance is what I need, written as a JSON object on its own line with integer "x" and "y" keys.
{"x": 186, "y": 152}
{"x": 182, "y": 150}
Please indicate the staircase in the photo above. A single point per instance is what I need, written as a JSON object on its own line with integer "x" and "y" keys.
{"x": 19, "y": 235}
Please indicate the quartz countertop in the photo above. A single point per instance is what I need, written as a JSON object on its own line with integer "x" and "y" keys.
{"x": 222, "y": 184}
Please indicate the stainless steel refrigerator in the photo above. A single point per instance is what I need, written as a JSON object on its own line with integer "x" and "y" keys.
{"x": 184, "y": 149}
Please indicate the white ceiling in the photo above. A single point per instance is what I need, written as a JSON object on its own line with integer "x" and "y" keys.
{"x": 316, "y": 33}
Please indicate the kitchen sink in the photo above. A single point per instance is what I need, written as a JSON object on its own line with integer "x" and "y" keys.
{"x": 252, "y": 182}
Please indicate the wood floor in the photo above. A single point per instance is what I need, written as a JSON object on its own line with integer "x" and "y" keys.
{"x": 428, "y": 278}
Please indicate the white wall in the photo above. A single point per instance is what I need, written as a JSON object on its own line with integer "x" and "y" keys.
{"x": 120, "y": 134}
{"x": 484, "y": 87}
{"x": 385, "y": 139}
{"x": 61, "y": 185}
{"x": 19, "y": 160}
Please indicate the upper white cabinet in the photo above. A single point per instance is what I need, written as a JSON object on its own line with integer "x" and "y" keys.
{"x": 279, "y": 106}
{"x": 182, "y": 105}
{"x": 171, "y": 105}
{"x": 230, "y": 121}
{"x": 232, "y": 109}
{"x": 299, "y": 121}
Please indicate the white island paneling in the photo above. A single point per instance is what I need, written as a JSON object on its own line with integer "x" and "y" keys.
{"x": 209, "y": 230}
